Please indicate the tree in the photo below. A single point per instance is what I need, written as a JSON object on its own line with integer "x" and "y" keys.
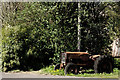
{"x": 96, "y": 30}
{"x": 40, "y": 32}
{"x": 36, "y": 33}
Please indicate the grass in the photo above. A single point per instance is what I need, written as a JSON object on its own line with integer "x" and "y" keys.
{"x": 50, "y": 70}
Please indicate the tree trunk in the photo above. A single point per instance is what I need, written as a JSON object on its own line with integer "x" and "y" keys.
{"x": 79, "y": 28}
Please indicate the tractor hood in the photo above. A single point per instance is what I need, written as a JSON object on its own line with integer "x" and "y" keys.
{"x": 81, "y": 53}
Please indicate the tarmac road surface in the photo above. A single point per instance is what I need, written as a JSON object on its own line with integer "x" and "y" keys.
{"x": 36, "y": 76}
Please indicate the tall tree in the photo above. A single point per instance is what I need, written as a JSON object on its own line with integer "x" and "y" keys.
{"x": 96, "y": 30}
{"x": 41, "y": 31}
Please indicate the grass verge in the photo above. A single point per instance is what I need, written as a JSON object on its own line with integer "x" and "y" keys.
{"x": 50, "y": 70}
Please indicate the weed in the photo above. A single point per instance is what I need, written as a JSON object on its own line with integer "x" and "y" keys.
{"x": 50, "y": 70}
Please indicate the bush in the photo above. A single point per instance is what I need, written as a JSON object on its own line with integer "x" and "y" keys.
{"x": 117, "y": 63}
{"x": 37, "y": 37}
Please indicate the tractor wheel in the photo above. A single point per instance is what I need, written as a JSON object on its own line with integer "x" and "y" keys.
{"x": 57, "y": 66}
{"x": 103, "y": 63}
{"x": 71, "y": 68}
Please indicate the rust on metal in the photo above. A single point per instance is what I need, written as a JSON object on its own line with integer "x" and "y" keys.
{"x": 94, "y": 56}
{"x": 76, "y": 53}
{"x": 61, "y": 65}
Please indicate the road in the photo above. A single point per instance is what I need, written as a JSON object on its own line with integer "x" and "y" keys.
{"x": 36, "y": 76}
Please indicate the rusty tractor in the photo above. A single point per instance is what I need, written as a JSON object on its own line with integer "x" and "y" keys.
{"x": 74, "y": 62}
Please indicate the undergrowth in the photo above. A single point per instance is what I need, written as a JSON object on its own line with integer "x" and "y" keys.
{"x": 89, "y": 73}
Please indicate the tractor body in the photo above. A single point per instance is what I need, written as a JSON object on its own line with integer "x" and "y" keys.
{"x": 74, "y": 62}
{"x": 82, "y": 59}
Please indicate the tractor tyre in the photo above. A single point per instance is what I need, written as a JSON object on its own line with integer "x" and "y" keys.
{"x": 71, "y": 68}
{"x": 103, "y": 63}
{"x": 57, "y": 66}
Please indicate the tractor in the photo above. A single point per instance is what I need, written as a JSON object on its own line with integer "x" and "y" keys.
{"x": 74, "y": 62}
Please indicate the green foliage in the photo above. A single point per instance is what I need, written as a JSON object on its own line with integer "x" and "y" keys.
{"x": 95, "y": 30}
{"x": 37, "y": 32}
{"x": 117, "y": 63}
{"x": 39, "y": 35}
{"x": 50, "y": 70}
